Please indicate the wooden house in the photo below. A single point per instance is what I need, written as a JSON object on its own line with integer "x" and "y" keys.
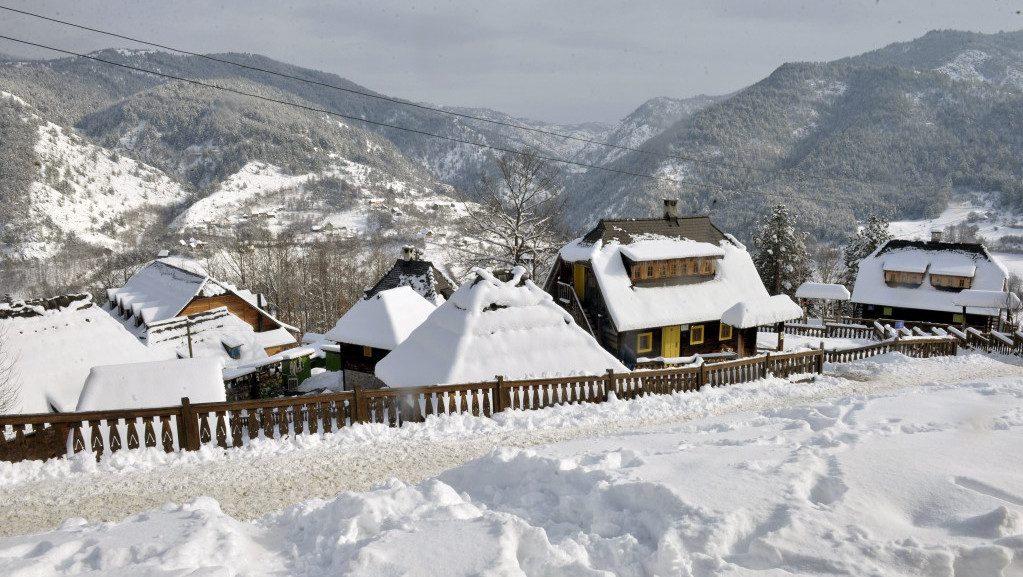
{"x": 424, "y": 278}
{"x": 169, "y": 288}
{"x": 916, "y": 280}
{"x": 371, "y": 329}
{"x": 656, "y": 288}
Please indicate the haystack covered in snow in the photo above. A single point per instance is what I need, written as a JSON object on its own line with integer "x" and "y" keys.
{"x": 152, "y": 384}
{"x": 373, "y": 328}
{"x": 55, "y": 342}
{"x": 658, "y": 287}
{"x": 490, "y": 327}
{"x": 919, "y": 281}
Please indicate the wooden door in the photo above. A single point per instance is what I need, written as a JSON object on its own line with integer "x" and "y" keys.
{"x": 580, "y": 281}
{"x": 671, "y": 344}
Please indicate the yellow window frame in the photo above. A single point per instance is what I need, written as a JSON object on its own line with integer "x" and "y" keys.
{"x": 724, "y": 332}
{"x": 646, "y": 347}
{"x": 367, "y": 351}
{"x": 696, "y": 335}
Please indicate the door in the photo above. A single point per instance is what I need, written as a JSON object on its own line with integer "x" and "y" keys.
{"x": 671, "y": 341}
{"x": 580, "y": 281}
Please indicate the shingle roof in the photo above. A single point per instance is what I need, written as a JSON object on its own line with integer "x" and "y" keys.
{"x": 698, "y": 228}
{"x": 418, "y": 274}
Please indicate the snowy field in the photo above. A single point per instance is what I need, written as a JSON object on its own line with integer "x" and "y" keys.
{"x": 889, "y": 466}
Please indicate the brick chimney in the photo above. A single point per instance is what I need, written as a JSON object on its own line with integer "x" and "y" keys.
{"x": 671, "y": 209}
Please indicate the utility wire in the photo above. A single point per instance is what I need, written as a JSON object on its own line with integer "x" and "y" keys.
{"x": 799, "y": 175}
{"x": 675, "y": 181}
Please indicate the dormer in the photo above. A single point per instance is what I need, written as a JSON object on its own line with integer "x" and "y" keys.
{"x": 952, "y": 277}
{"x": 233, "y": 346}
{"x": 663, "y": 262}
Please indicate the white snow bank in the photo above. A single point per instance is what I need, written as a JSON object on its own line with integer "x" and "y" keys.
{"x": 919, "y": 481}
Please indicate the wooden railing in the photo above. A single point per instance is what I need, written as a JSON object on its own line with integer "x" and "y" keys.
{"x": 570, "y": 300}
{"x": 194, "y": 426}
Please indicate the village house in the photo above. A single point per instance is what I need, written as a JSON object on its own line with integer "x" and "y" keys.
{"x": 421, "y": 275}
{"x": 168, "y": 288}
{"x": 491, "y": 327}
{"x": 370, "y": 330}
{"x": 656, "y": 288}
{"x": 914, "y": 280}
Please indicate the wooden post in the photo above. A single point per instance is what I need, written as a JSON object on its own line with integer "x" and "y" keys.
{"x": 820, "y": 360}
{"x": 188, "y": 427}
{"x": 502, "y": 399}
{"x": 767, "y": 365}
{"x": 703, "y": 375}
{"x": 609, "y": 385}
{"x": 359, "y": 409}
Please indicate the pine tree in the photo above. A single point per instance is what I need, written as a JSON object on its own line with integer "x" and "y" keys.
{"x": 781, "y": 259}
{"x": 866, "y": 240}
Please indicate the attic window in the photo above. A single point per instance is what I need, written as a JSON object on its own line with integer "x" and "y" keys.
{"x": 233, "y": 347}
{"x": 672, "y": 268}
{"x": 950, "y": 282}
{"x": 903, "y": 278}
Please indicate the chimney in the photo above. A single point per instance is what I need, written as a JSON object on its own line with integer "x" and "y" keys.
{"x": 935, "y": 235}
{"x": 409, "y": 253}
{"x": 671, "y": 209}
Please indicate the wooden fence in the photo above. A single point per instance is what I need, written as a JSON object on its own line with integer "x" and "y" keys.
{"x": 192, "y": 426}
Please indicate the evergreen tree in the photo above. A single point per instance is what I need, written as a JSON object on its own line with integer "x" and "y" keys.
{"x": 781, "y": 259}
{"x": 866, "y": 240}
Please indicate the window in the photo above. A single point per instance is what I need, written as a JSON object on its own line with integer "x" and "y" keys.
{"x": 708, "y": 266}
{"x": 367, "y": 351}
{"x": 725, "y": 332}
{"x": 646, "y": 343}
{"x": 887, "y": 311}
{"x": 650, "y": 271}
{"x": 957, "y": 318}
{"x": 685, "y": 268}
{"x": 674, "y": 269}
{"x": 663, "y": 270}
{"x": 696, "y": 335}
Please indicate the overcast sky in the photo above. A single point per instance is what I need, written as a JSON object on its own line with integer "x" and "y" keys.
{"x": 555, "y": 60}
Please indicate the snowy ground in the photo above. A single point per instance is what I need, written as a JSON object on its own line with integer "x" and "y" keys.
{"x": 891, "y": 466}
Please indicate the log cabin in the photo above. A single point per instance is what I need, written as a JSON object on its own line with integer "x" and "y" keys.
{"x": 656, "y": 288}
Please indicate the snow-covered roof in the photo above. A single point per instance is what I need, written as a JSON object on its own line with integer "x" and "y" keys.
{"x": 210, "y": 331}
{"x": 987, "y": 299}
{"x": 914, "y": 256}
{"x": 489, "y": 327}
{"x": 819, "y": 290}
{"x": 153, "y": 384}
{"x": 634, "y": 307}
{"x": 658, "y": 249}
{"x": 54, "y": 350}
{"x": 164, "y": 287}
{"x": 775, "y": 309}
{"x": 383, "y": 320}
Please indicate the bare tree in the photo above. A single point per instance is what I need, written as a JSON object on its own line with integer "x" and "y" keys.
{"x": 9, "y": 381}
{"x": 514, "y": 215}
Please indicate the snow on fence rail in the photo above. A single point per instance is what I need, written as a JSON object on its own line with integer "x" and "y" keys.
{"x": 233, "y": 424}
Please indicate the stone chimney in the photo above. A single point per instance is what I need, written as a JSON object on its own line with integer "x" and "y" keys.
{"x": 935, "y": 235}
{"x": 671, "y": 209}
{"x": 409, "y": 253}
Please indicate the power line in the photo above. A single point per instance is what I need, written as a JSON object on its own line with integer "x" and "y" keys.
{"x": 676, "y": 181}
{"x": 799, "y": 175}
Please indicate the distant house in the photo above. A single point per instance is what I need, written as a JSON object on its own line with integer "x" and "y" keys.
{"x": 424, "y": 278}
{"x": 656, "y": 288}
{"x": 491, "y": 327}
{"x": 169, "y": 288}
{"x": 55, "y": 342}
{"x": 917, "y": 280}
{"x": 371, "y": 329}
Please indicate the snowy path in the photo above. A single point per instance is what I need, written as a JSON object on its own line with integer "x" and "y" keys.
{"x": 250, "y": 483}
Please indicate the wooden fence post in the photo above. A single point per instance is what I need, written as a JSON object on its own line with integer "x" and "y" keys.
{"x": 188, "y": 427}
{"x": 501, "y": 399}
{"x": 609, "y": 385}
{"x": 360, "y": 411}
{"x": 703, "y": 375}
{"x": 767, "y": 365}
